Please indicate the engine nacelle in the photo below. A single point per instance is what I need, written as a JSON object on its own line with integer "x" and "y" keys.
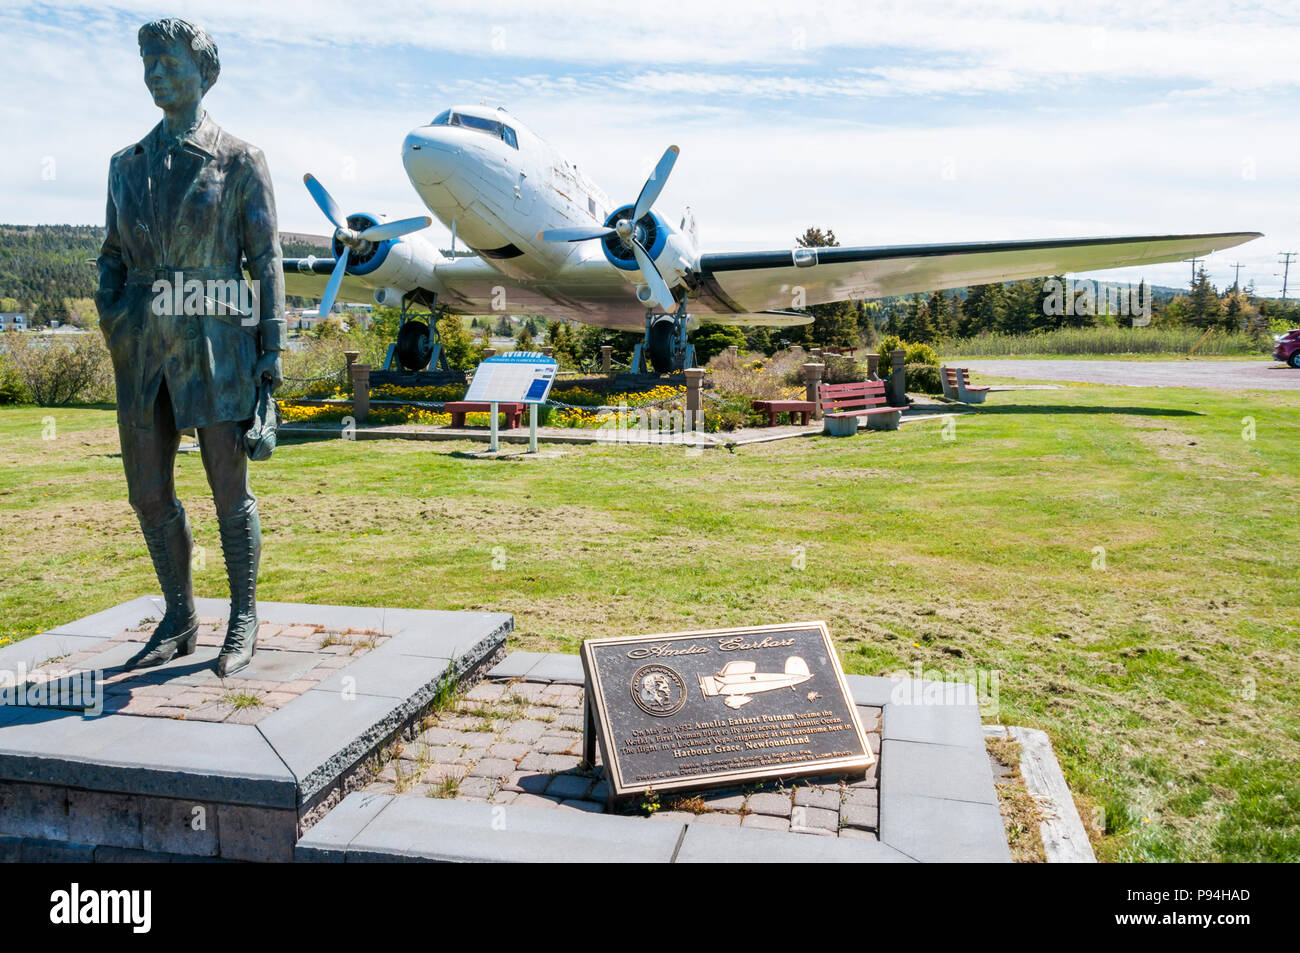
{"x": 396, "y": 266}
{"x": 672, "y": 251}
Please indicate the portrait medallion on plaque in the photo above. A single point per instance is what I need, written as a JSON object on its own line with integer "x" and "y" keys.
{"x": 700, "y": 709}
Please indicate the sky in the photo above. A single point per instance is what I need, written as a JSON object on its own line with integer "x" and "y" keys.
{"x": 891, "y": 123}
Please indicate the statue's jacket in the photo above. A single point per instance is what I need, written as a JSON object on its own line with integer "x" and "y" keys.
{"x": 195, "y": 214}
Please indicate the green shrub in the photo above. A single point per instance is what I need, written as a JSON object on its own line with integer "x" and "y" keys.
{"x": 923, "y": 379}
{"x": 890, "y": 342}
{"x": 729, "y": 412}
{"x": 12, "y": 390}
{"x": 921, "y": 354}
{"x": 842, "y": 370}
{"x": 53, "y": 371}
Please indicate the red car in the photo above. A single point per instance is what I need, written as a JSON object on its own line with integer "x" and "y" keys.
{"x": 1288, "y": 348}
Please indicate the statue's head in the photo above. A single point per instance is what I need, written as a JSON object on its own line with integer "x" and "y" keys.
{"x": 180, "y": 61}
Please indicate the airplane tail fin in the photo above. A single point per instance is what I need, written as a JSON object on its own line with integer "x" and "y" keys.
{"x": 794, "y": 665}
{"x": 708, "y": 685}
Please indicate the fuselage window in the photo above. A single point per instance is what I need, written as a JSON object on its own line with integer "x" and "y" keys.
{"x": 508, "y": 135}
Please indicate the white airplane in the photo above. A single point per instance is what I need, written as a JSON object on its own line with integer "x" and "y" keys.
{"x": 739, "y": 682}
{"x": 548, "y": 241}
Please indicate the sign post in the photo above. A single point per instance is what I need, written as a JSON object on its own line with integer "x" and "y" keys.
{"x": 517, "y": 377}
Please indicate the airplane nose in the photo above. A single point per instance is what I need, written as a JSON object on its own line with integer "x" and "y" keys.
{"x": 428, "y": 157}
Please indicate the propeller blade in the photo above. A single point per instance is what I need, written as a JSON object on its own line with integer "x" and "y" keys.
{"x": 325, "y": 202}
{"x": 655, "y": 184}
{"x": 658, "y": 287}
{"x": 336, "y": 279}
{"x": 579, "y": 234}
{"x": 386, "y": 230}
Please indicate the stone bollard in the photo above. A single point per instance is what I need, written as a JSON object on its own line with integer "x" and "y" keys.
{"x": 733, "y": 350}
{"x": 896, "y": 388}
{"x": 694, "y": 383}
{"x": 351, "y": 358}
{"x": 815, "y": 353}
{"x": 797, "y": 351}
{"x": 360, "y": 392}
{"x": 606, "y": 358}
{"x": 547, "y": 351}
{"x": 489, "y": 352}
{"x": 812, "y": 375}
{"x": 873, "y": 366}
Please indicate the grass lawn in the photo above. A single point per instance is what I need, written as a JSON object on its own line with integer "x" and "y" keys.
{"x": 1165, "y": 671}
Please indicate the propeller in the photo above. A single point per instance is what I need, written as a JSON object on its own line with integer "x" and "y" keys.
{"x": 626, "y": 230}
{"x": 352, "y": 239}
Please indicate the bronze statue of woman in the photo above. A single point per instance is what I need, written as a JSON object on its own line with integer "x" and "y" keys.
{"x": 186, "y": 204}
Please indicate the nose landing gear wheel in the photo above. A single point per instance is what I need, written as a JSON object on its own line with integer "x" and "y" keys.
{"x": 661, "y": 344}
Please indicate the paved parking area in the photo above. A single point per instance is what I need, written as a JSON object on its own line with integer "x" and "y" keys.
{"x": 1210, "y": 375}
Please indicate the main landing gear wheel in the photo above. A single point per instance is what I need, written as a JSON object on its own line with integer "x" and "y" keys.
{"x": 662, "y": 332}
{"x": 414, "y": 346}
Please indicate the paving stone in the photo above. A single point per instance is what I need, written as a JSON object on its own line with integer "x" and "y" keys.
{"x": 486, "y": 692}
{"x": 942, "y": 830}
{"x": 527, "y": 783}
{"x": 558, "y": 744}
{"x": 535, "y": 800}
{"x": 854, "y": 815}
{"x": 569, "y": 786}
{"x": 504, "y": 797}
{"x": 724, "y": 802}
{"x": 855, "y": 833}
{"x": 259, "y": 834}
{"x": 533, "y": 762}
{"x": 600, "y": 791}
{"x": 818, "y": 797}
{"x": 478, "y": 787}
{"x": 524, "y": 732}
{"x": 765, "y": 822}
{"x": 493, "y": 768}
{"x": 717, "y": 819}
{"x": 590, "y": 807}
{"x": 815, "y": 819}
{"x": 456, "y": 831}
{"x": 438, "y": 773}
{"x": 34, "y": 810}
{"x": 508, "y": 750}
{"x": 515, "y": 665}
{"x": 560, "y": 762}
{"x": 776, "y": 805}
{"x": 558, "y": 668}
{"x": 677, "y": 817}
{"x": 175, "y": 826}
{"x": 862, "y": 797}
{"x": 957, "y": 725}
{"x": 439, "y": 735}
{"x": 929, "y": 770}
{"x": 704, "y": 843}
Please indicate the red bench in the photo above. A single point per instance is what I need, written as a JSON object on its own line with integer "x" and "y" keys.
{"x": 957, "y": 386}
{"x": 843, "y": 404}
{"x": 459, "y": 408}
{"x": 802, "y": 408}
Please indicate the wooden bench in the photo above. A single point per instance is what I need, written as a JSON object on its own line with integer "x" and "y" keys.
{"x": 843, "y": 404}
{"x": 957, "y": 386}
{"x": 802, "y": 408}
{"x": 459, "y": 408}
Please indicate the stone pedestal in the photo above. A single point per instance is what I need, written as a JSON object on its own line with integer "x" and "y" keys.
{"x": 360, "y": 392}
{"x": 896, "y": 388}
{"x": 873, "y": 366}
{"x": 606, "y": 358}
{"x": 694, "y": 383}
{"x": 812, "y": 375}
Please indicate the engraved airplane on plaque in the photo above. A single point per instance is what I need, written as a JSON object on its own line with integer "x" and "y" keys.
{"x": 739, "y": 682}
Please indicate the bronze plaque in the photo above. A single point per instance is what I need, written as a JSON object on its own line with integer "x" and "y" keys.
{"x": 700, "y": 709}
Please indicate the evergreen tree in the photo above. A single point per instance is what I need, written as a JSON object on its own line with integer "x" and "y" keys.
{"x": 1205, "y": 310}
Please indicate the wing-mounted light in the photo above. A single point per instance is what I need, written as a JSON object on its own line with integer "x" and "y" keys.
{"x": 633, "y": 236}
{"x": 361, "y": 242}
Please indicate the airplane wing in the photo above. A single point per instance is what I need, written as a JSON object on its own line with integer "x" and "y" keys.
{"x": 744, "y": 282}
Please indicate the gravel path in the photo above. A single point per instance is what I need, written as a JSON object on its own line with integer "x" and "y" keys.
{"x": 1211, "y": 375}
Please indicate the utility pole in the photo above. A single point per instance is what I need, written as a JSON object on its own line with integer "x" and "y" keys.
{"x": 1236, "y": 279}
{"x": 1194, "y": 262}
{"x": 1286, "y": 257}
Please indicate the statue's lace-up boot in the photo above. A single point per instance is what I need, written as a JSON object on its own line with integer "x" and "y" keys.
{"x": 241, "y": 542}
{"x": 169, "y": 545}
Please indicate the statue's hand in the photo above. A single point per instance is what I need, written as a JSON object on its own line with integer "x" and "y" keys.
{"x": 270, "y": 367}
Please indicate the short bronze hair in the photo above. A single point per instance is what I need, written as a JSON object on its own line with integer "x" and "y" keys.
{"x": 200, "y": 44}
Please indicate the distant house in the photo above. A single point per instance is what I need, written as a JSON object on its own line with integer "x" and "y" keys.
{"x": 13, "y": 321}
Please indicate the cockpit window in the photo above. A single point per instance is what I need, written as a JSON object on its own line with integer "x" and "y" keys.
{"x": 490, "y": 126}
